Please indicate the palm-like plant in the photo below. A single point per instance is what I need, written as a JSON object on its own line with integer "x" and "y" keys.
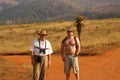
{"x": 78, "y": 22}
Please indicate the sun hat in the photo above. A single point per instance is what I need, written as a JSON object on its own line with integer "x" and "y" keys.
{"x": 42, "y": 32}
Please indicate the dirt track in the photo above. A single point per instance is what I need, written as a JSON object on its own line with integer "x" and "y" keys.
{"x": 105, "y": 66}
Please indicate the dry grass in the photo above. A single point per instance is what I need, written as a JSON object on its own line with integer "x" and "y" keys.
{"x": 95, "y": 34}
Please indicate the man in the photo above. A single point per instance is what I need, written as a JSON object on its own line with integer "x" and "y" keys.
{"x": 41, "y": 56}
{"x": 70, "y": 48}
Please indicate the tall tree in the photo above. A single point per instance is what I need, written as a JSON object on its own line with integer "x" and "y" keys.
{"x": 79, "y": 24}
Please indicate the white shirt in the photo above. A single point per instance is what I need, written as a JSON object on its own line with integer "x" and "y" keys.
{"x": 35, "y": 47}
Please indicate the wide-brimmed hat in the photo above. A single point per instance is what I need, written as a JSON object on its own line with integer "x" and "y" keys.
{"x": 42, "y": 32}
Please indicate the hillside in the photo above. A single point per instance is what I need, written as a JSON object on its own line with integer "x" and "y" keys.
{"x": 28, "y": 11}
{"x": 36, "y": 11}
{"x": 9, "y": 2}
{"x": 5, "y": 4}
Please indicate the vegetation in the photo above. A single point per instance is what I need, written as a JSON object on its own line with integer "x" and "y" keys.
{"x": 29, "y": 11}
{"x": 36, "y": 11}
{"x": 78, "y": 21}
{"x": 95, "y": 35}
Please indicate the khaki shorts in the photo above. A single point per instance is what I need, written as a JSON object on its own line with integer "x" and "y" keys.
{"x": 71, "y": 61}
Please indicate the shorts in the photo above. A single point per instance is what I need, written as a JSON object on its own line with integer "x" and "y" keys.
{"x": 71, "y": 61}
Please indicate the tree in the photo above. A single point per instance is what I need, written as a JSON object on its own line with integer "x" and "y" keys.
{"x": 78, "y": 22}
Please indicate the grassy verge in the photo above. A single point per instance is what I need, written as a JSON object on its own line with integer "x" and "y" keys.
{"x": 96, "y": 34}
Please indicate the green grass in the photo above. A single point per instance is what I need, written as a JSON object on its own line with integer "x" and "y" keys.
{"x": 96, "y": 34}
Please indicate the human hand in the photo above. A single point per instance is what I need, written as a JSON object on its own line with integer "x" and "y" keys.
{"x": 63, "y": 58}
{"x": 32, "y": 62}
{"x": 49, "y": 64}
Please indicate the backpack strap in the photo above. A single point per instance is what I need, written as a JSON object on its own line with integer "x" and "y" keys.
{"x": 64, "y": 39}
{"x": 74, "y": 39}
{"x": 45, "y": 46}
{"x": 39, "y": 44}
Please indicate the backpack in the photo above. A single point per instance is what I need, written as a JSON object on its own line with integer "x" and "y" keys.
{"x": 66, "y": 39}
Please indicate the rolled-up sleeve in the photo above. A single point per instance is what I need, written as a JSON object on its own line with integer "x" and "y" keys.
{"x": 50, "y": 51}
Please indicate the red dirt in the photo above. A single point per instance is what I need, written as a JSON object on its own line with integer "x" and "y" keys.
{"x": 105, "y": 66}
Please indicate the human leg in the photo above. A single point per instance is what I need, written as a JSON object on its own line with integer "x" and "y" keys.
{"x": 75, "y": 66}
{"x": 67, "y": 76}
{"x": 77, "y": 76}
{"x": 67, "y": 67}
{"x": 44, "y": 62}
{"x": 36, "y": 71}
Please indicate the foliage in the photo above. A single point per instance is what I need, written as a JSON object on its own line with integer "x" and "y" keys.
{"x": 32, "y": 11}
{"x": 80, "y": 18}
{"x": 35, "y": 11}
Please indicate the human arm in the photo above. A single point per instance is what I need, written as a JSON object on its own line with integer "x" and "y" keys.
{"x": 78, "y": 48}
{"x": 32, "y": 57}
{"x": 50, "y": 51}
{"x": 33, "y": 53}
{"x": 49, "y": 60}
{"x": 62, "y": 51}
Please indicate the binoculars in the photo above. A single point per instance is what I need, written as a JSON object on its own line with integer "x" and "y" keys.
{"x": 42, "y": 51}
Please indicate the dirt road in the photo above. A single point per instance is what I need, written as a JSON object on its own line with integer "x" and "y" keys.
{"x": 105, "y": 66}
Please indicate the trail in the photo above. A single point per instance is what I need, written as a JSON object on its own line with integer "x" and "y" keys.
{"x": 105, "y": 66}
